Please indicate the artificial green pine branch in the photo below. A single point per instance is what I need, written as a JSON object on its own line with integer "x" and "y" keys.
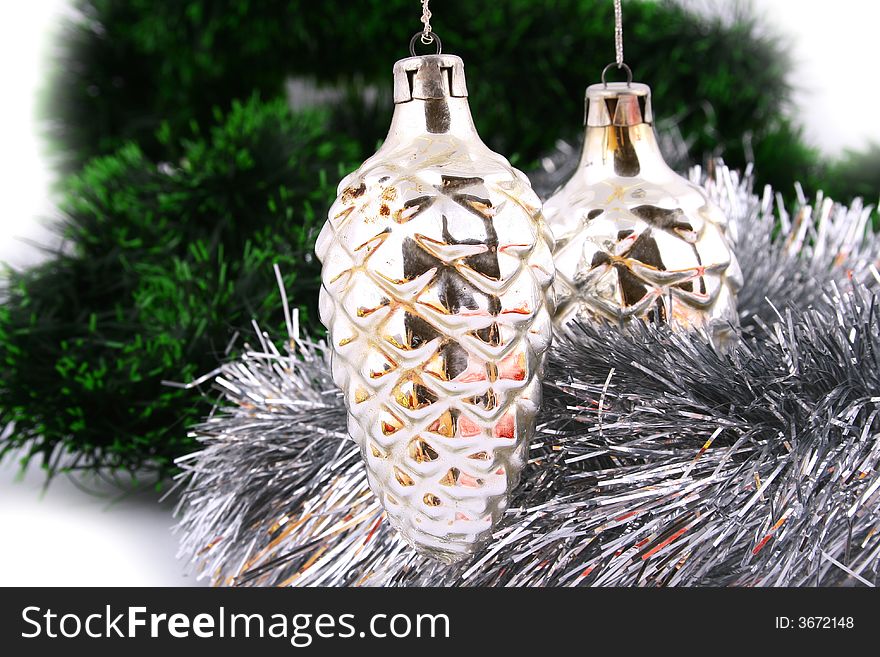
{"x": 164, "y": 262}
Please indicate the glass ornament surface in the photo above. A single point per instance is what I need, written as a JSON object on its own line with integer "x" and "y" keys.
{"x": 436, "y": 293}
{"x": 633, "y": 238}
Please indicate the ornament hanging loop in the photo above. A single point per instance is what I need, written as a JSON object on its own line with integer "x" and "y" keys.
{"x": 420, "y": 36}
{"x": 629, "y": 73}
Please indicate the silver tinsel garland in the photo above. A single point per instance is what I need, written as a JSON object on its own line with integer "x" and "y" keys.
{"x": 658, "y": 461}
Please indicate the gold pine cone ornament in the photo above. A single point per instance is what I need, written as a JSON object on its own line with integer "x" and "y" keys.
{"x": 437, "y": 270}
{"x": 633, "y": 238}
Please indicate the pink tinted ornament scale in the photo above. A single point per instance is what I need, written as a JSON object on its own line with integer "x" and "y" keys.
{"x": 437, "y": 275}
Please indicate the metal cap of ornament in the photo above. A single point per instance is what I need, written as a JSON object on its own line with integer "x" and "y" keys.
{"x": 633, "y": 238}
{"x": 436, "y": 277}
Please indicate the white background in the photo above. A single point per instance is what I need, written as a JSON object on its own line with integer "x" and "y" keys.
{"x": 63, "y": 536}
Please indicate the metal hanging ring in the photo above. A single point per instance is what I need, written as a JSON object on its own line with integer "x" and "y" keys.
{"x": 629, "y": 73}
{"x": 433, "y": 38}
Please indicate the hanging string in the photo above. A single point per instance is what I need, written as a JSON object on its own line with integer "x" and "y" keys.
{"x": 618, "y": 46}
{"x": 618, "y": 31}
{"x": 427, "y": 35}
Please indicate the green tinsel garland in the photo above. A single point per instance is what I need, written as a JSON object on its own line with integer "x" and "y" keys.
{"x": 164, "y": 262}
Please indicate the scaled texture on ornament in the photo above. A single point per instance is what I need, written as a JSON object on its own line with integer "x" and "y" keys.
{"x": 633, "y": 238}
{"x": 437, "y": 270}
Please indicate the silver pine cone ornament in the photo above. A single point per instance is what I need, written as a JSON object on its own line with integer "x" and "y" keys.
{"x": 437, "y": 271}
{"x": 633, "y": 238}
